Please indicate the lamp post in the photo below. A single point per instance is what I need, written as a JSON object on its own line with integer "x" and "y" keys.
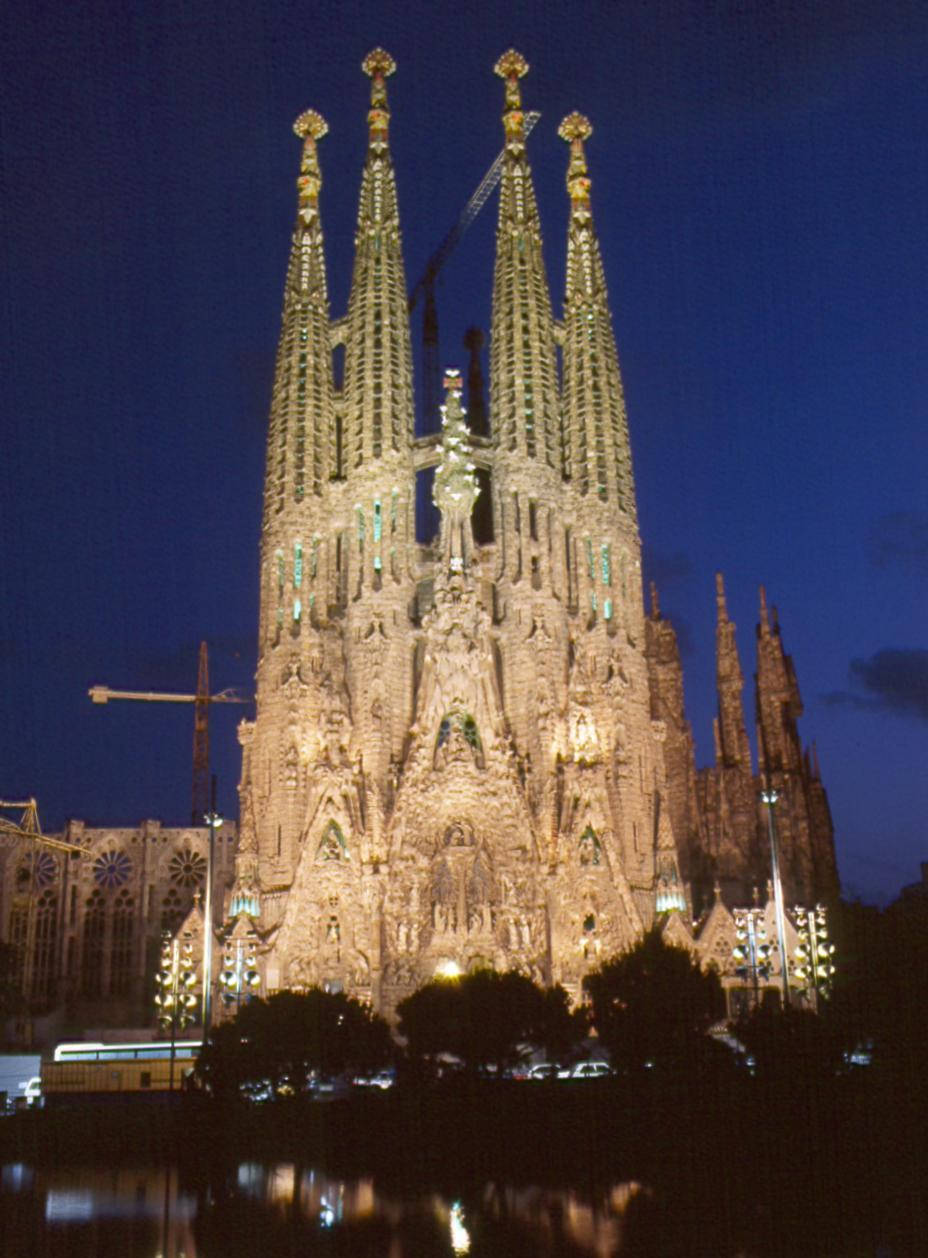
{"x": 214, "y": 821}
{"x": 239, "y": 971}
{"x": 752, "y": 952}
{"x": 770, "y": 797}
{"x": 814, "y": 967}
{"x": 174, "y": 998}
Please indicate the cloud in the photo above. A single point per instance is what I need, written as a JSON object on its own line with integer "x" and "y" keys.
{"x": 900, "y": 538}
{"x": 892, "y": 680}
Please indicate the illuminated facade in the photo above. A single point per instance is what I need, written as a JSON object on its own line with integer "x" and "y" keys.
{"x": 475, "y": 751}
{"x": 468, "y": 752}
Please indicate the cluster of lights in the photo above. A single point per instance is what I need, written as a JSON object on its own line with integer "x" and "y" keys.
{"x": 239, "y": 973}
{"x": 813, "y": 968}
{"x": 752, "y": 951}
{"x": 175, "y": 981}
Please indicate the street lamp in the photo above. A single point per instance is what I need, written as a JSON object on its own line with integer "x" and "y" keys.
{"x": 175, "y": 998}
{"x": 752, "y": 952}
{"x": 813, "y": 968}
{"x": 770, "y": 797}
{"x": 214, "y": 821}
{"x": 239, "y": 971}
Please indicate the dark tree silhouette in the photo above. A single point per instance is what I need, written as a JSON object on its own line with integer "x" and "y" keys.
{"x": 284, "y": 1040}
{"x": 487, "y": 1019}
{"x": 654, "y": 1004}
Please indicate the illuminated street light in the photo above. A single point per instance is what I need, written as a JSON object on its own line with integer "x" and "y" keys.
{"x": 813, "y": 967}
{"x": 175, "y": 998}
{"x": 752, "y": 952}
{"x": 239, "y": 974}
{"x": 214, "y": 821}
{"x": 770, "y": 797}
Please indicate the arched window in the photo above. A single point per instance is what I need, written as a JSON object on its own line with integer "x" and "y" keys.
{"x": 43, "y": 955}
{"x": 122, "y": 950}
{"x": 590, "y": 850}
{"x": 172, "y": 912}
{"x": 94, "y": 935}
{"x": 332, "y": 846}
{"x": 18, "y": 930}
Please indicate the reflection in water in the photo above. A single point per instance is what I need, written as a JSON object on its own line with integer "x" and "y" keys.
{"x": 264, "y": 1209}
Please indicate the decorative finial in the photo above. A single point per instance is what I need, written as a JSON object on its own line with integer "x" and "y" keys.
{"x": 378, "y": 65}
{"x": 310, "y": 127}
{"x": 720, "y": 603}
{"x": 511, "y": 67}
{"x": 575, "y": 129}
{"x": 764, "y": 621}
{"x": 452, "y": 381}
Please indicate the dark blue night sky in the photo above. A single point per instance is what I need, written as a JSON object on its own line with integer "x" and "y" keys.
{"x": 760, "y": 184}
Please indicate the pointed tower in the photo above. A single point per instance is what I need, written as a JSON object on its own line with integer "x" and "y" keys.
{"x": 376, "y": 525}
{"x": 727, "y": 792}
{"x": 301, "y": 433}
{"x": 665, "y": 677}
{"x": 529, "y": 564}
{"x": 378, "y": 389}
{"x": 803, "y": 822}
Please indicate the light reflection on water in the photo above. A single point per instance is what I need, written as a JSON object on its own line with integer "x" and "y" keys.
{"x": 146, "y": 1212}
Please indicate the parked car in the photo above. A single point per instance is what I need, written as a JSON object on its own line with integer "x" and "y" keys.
{"x": 586, "y": 1070}
{"x": 543, "y": 1070}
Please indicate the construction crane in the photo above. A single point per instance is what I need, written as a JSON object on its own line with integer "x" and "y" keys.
{"x": 202, "y": 701}
{"x": 28, "y": 827}
{"x": 425, "y": 287}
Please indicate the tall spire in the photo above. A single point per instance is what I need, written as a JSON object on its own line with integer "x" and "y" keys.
{"x": 301, "y": 433}
{"x": 523, "y": 377}
{"x": 596, "y": 438}
{"x": 378, "y": 405}
{"x": 733, "y": 746}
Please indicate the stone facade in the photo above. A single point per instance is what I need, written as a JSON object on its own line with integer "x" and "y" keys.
{"x": 474, "y": 753}
{"x": 87, "y": 927}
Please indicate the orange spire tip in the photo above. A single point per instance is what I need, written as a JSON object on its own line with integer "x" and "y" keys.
{"x": 378, "y": 64}
{"x": 511, "y": 65}
{"x": 452, "y": 381}
{"x": 310, "y": 125}
{"x": 575, "y": 127}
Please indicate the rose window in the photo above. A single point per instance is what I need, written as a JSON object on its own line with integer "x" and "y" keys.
{"x": 38, "y": 870}
{"x": 187, "y": 869}
{"x": 112, "y": 869}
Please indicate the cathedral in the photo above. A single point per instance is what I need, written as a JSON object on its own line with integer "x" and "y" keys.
{"x": 471, "y": 752}
{"x": 474, "y": 752}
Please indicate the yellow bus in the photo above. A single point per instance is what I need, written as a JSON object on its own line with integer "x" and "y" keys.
{"x": 84, "y": 1068}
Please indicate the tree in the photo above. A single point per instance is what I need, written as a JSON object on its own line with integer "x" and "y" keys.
{"x": 486, "y": 1019}
{"x": 282, "y": 1041}
{"x": 653, "y": 1004}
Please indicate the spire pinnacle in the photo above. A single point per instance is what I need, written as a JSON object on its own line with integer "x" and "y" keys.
{"x": 378, "y": 65}
{"x": 764, "y": 625}
{"x": 310, "y": 127}
{"x": 576, "y": 128}
{"x": 655, "y": 604}
{"x": 721, "y": 605}
{"x": 511, "y": 67}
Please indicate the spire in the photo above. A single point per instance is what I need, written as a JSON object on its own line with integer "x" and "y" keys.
{"x": 301, "y": 432}
{"x": 523, "y": 376}
{"x": 378, "y": 360}
{"x": 596, "y": 428}
{"x": 779, "y": 704}
{"x": 655, "y": 602}
{"x": 732, "y": 736}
